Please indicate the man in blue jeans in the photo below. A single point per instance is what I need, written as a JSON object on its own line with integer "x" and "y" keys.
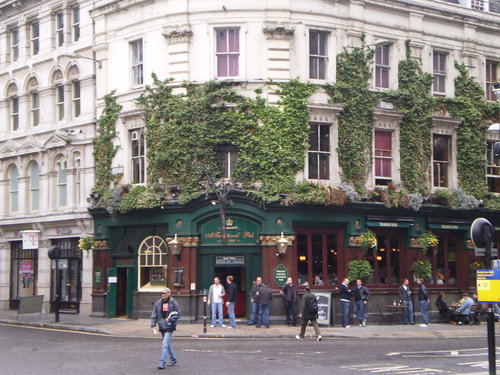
{"x": 423, "y": 300}
{"x": 215, "y": 300}
{"x": 232, "y": 291}
{"x": 264, "y": 298}
{"x": 254, "y": 292}
{"x": 345, "y": 301}
{"x": 165, "y": 313}
{"x": 361, "y": 296}
{"x": 405, "y": 298}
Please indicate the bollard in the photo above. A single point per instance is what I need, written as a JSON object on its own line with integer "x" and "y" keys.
{"x": 204, "y": 314}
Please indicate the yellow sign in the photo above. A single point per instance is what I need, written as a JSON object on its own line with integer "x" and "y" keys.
{"x": 488, "y": 286}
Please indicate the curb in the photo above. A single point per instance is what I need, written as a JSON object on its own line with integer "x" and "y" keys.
{"x": 62, "y": 327}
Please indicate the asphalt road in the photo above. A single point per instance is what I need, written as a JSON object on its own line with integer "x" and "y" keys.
{"x": 28, "y": 351}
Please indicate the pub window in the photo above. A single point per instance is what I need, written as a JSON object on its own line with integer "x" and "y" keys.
{"x": 441, "y": 160}
{"x": 70, "y": 268}
{"x": 317, "y": 257}
{"x": 24, "y": 271}
{"x": 493, "y": 170}
{"x": 444, "y": 261}
{"x": 152, "y": 264}
{"x": 385, "y": 259}
{"x": 383, "y": 157}
{"x": 319, "y": 152}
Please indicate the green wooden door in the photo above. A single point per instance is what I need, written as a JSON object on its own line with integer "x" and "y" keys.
{"x": 111, "y": 296}
{"x": 131, "y": 287}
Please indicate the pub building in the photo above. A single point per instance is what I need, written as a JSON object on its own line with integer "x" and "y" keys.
{"x": 183, "y": 247}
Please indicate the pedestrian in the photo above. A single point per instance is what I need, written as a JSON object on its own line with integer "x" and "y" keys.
{"x": 254, "y": 292}
{"x": 345, "y": 301}
{"x": 405, "y": 298}
{"x": 361, "y": 297}
{"x": 215, "y": 294}
{"x": 308, "y": 313}
{"x": 423, "y": 300}
{"x": 464, "y": 313}
{"x": 165, "y": 313}
{"x": 290, "y": 298}
{"x": 232, "y": 291}
{"x": 264, "y": 299}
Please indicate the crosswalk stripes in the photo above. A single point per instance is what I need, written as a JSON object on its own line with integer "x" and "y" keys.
{"x": 395, "y": 369}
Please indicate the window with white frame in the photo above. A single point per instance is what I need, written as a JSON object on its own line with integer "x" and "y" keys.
{"x": 136, "y": 49}
{"x": 35, "y": 37}
{"x": 34, "y": 101}
{"x": 227, "y": 52}
{"x": 34, "y": 187}
{"x": 491, "y": 78}
{"x": 152, "y": 263}
{"x": 319, "y": 152}
{"x": 492, "y": 169}
{"x": 138, "y": 156}
{"x": 441, "y": 160}
{"x": 318, "y": 54}
{"x": 13, "y": 106}
{"x": 14, "y": 44}
{"x": 60, "y": 101}
{"x": 14, "y": 189}
{"x": 75, "y": 23}
{"x": 228, "y": 156}
{"x": 76, "y": 98}
{"x": 382, "y": 66}
{"x": 439, "y": 72}
{"x": 62, "y": 184}
{"x": 78, "y": 178}
{"x": 383, "y": 157}
{"x": 59, "y": 29}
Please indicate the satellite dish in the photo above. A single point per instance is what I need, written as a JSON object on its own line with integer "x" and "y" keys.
{"x": 481, "y": 232}
{"x": 54, "y": 252}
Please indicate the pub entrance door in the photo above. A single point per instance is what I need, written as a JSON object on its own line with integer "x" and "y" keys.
{"x": 238, "y": 273}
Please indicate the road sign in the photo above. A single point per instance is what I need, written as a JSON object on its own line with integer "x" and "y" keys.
{"x": 488, "y": 286}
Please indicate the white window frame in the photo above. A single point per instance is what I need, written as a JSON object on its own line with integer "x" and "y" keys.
{"x": 13, "y": 189}
{"x": 440, "y": 74}
{"x": 59, "y": 27}
{"x": 137, "y": 62}
{"x": 14, "y": 44}
{"x": 59, "y": 101}
{"x": 62, "y": 184}
{"x": 76, "y": 97}
{"x": 35, "y": 37}
{"x": 383, "y": 157}
{"x": 75, "y": 23}
{"x": 382, "y": 67}
{"x": 152, "y": 254}
{"x": 318, "y": 57}
{"x": 138, "y": 161}
{"x": 490, "y": 94}
{"x": 34, "y": 187}
{"x": 316, "y": 153}
{"x": 447, "y": 163}
{"x": 241, "y": 61}
{"x": 35, "y": 108}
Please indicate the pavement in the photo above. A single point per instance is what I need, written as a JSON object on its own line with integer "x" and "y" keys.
{"x": 140, "y": 328}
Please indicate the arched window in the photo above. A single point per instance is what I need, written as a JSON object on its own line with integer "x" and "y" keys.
{"x": 34, "y": 101}
{"x": 14, "y": 189}
{"x": 61, "y": 184}
{"x": 152, "y": 263}
{"x": 14, "y": 106}
{"x": 35, "y": 187}
{"x": 75, "y": 90}
{"x": 57, "y": 82}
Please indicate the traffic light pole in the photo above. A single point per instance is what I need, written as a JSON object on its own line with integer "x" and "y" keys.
{"x": 490, "y": 316}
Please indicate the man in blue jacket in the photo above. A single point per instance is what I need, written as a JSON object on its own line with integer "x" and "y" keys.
{"x": 165, "y": 313}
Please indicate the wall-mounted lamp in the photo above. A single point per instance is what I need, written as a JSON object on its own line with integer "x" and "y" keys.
{"x": 175, "y": 247}
{"x": 282, "y": 245}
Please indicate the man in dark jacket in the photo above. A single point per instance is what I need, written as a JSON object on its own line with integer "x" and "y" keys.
{"x": 405, "y": 298}
{"x": 232, "y": 291}
{"x": 361, "y": 296}
{"x": 264, "y": 299}
{"x": 254, "y": 292}
{"x": 423, "y": 299}
{"x": 290, "y": 298}
{"x": 307, "y": 315}
{"x": 165, "y": 313}
{"x": 345, "y": 301}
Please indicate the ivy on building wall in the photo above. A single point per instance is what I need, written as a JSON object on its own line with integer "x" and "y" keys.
{"x": 104, "y": 149}
{"x": 355, "y": 123}
{"x": 414, "y": 101}
{"x": 184, "y": 131}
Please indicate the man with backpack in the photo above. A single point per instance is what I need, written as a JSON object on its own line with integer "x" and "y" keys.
{"x": 309, "y": 312}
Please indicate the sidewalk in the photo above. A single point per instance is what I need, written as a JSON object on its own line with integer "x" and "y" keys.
{"x": 140, "y": 328}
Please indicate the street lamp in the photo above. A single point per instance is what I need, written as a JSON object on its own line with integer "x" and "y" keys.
{"x": 282, "y": 245}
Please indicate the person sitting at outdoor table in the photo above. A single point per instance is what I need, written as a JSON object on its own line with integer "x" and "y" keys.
{"x": 444, "y": 310}
{"x": 464, "y": 313}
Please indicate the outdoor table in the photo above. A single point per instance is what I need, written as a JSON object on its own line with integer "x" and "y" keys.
{"x": 396, "y": 311}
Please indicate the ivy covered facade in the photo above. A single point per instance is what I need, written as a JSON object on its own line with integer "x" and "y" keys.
{"x": 335, "y": 127}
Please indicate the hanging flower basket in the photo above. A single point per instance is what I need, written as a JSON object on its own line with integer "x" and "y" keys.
{"x": 368, "y": 240}
{"x": 422, "y": 268}
{"x": 86, "y": 243}
{"x": 359, "y": 269}
{"x": 429, "y": 240}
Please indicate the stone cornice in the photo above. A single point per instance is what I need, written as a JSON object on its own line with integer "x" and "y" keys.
{"x": 178, "y": 36}
{"x": 278, "y": 32}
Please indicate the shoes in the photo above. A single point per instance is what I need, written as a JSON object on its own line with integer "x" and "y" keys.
{"x": 319, "y": 338}
{"x": 258, "y": 326}
{"x": 298, "y": 337}
{"x": 459, "y": 323}
{"x": 250, "y": 324}
{"x": 212, "y": 326}
{"x": 268, "y": 327}
{"x": 424, "y": 325}
{"x": 347, "y": 327}
{"x": 172, "y": 363}
{"x": 223, "y": 326}
{"x": 361, "y": 324}
{"x": 364, "y": 322}
{"x": 230, "y": 327}
{"x": 161, "y": 367}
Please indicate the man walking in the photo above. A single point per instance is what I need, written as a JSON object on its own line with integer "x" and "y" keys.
{"x": 290, "y": 298}
{"x": 345, "y": 301}
{"x": 165, "y": 313}
{"x": 254, "y": 292}
{"x": 232, "y": 291}
{"x": 264, "y": 299}
{"x": 423, "y": 299}
{"x": 361, "y": 296}
{"x": 405, "y": 298}
{"x": 215, "y": 294}
{"x": 308, "y": 312}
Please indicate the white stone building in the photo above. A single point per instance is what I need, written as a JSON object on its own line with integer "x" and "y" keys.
{"x": 47, "y": 112}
